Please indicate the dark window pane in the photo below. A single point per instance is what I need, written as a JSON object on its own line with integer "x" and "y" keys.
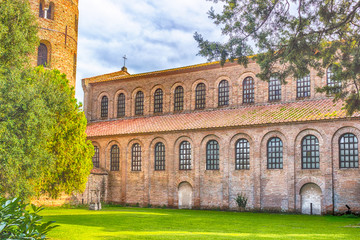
{"x": 348, "y": 151}
{"x": 212, "y": 155}
{"x": 274, "y": 153}
{"x": 242, "y": 159}
{"x": 310, "y": 153}
{"x": 185, "y": 156}
{"x": 139, "y": 103}
{"x": 114, "y": 158}
{"x": 136, "y": 157}
{"x": 104, "y": 106}
{"x": 248, "y": 90}
{"x": 200, "y": 96}
{"x": 159, "y": 156}
{"x": 158, "y": 101}
{"x": 96, "y": 157}
{"x": 223, "y": 92}
{"x": 274, "y": 89}
{"x": 303, "y": 87}
{"x": 179, "y": 99}
{"x": 330, "y": 82}
{"x": 121, "y": 105}
{"x": 42, "y": 55}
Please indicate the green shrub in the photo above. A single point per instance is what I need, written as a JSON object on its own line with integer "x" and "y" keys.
{"x": 18, "y": 223}
{"x": 241, "y": 200}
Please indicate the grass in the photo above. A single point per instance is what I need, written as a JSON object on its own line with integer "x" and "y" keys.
{"x": 143, "y": 223}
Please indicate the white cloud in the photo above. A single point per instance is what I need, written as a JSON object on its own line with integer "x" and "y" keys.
{"x": 154, "y": 34}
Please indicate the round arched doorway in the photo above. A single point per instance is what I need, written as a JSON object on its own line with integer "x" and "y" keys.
{"x": 185, "y": 193}
{"x": 310, "y": 199}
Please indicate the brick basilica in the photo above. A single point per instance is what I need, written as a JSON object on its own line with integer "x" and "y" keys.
{"x": 197, "y": 136}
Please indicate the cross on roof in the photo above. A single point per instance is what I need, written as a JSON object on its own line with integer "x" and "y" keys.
{"x": 125, "y": 58}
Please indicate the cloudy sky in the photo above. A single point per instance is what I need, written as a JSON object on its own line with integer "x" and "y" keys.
{"x": 154, "y": 35}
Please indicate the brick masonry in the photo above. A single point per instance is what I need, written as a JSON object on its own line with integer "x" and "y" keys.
{"x": 267, "y": 189}
{"x": 59, "y": 34}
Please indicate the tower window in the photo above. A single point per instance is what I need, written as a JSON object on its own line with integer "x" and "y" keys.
{"x": 200, "y": 96}
{"x": 42, "y": 55}
{"x": 41, "y": 9}
{"x": 50, "y": 12}
{"x": 223, "y": 93}
{"x": 248, "y": 90}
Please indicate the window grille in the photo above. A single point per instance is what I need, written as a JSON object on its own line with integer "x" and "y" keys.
{"x": 158, "y": 101}
{"x": 200, "y": 96}
{"x": 179, "y": 99}
{"x": 41, "y": 10}
{"x": 348, "y": 151}
{"x": 274, "y": 89}
{"x": 104, "y": 106}
{"x": 223, "y": 92}
{"x": 310, "y": 153}
{"x": 159, "y": 156}
{"x": 114, "y": 158}
{"x": 330, "y": 82}
{"x": 136, "y": 157}
{"x": 139, "y": 103}
{"x": 121, "y": 105}
{"x": 96, "y": 157}
{"x": 42, "y": 55}
{"x": 248, "y": 90}
{"x": 242, "y": 154}
{"x": 275, "y": 153}
{"x": 212, "y": 155}
{"x": 303, "y": 87}
{"x": 185, "y": 156}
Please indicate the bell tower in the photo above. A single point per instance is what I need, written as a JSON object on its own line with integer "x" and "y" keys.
{"x": 58, "y": 33}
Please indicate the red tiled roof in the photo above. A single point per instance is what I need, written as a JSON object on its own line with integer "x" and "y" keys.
{"x": 299, "y": 111}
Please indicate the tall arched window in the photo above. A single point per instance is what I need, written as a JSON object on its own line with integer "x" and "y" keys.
{"x": 42, "y": 55}
{"x": 303, "y": 87}
{"x": 50, "y": 11}
{"x": 275, "y": 153}
{"x": 139, "y": 103}
{"x": 242, "y": 154}
{"x": 200, "y": 96}
{"x": 158, "y": 101}
{"x": 348, "y": 151}
{"x": 212, "y": 155}
{"x": 159, "y": 156}
{"x": 185, "y": 156}
{"x": 121, "y": 105}
{"x": 179, "y": 99}
{"x": 114, "y": 158}
{"x": 136, "y": 157}
{"x": 96, "y": 157}
{"x": 274, "y": 89}
{"x": 248, "y": 90}
{"x": 330, "y": 81}
{"x": 41, "y": 9}
{"x": 104, "y": 106}
{"x": 223, "y": 93}
{"x": 310, "y": 153}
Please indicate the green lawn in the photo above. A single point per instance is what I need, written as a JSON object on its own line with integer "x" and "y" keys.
{"x": 143, "y": 223}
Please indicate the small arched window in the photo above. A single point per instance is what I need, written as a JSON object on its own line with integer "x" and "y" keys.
{"x": 136, "y": 157}
{"x": 179, "y": 99}
{"x": 223, "y": 93}
{"x": 139, "y": 103}
{"x": 212, "y": 155}
{"x": 159, "y": 156}
{"x": 248, "y": 90}
{"x": 121, "y": 105}
{"x": 200, "y": 96}
{"x": 185, "y": 156}
{"x": 96, "y": 157}
{"x": 41, "y": 9}
{"x": 348, "y": 151}
{"x": 303, "y": 87}
{"x": 274, "y": 89}
{"x": 42, "y": 55}
{"x": 50, "y": 12}
{"x": 104, "y": 106}
{"x": 242, "y": 154}
{"x": 114, "y": 158}
{"x": 158, "y": 101}
{"x": 275, "y": 153}
{"x": 310, "y": 153}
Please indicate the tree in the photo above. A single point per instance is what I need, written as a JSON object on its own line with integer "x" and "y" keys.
{"x": 43, "y": 146}
{"x": 291, "y": 37}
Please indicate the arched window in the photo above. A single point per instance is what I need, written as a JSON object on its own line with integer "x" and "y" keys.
{"x": 50, "y": 11}
{"x": 114, "y": 158}
{"x": 275, "y": 153}
{"x": 136, "y": 157}
{"x": 179, "y": 99}
{"x": 274, "y": 89}
{"x": 200, "y": 96}
{"x": 303, "y": 87}
{"x": 158, "y": 101}
{"x": 212, "y": 155}
{"x": 42, "y": 55}
{"x": 185, "y": 156}
{"x": 41, "y": 9}
{"x": 242, "y": 154}
{"x": 159, "y": 156}
{"x": 121, "y": 105}
{"x": 96, "y": 157}
{"x": 104, "y": 106}
{"x": 248, "y": 90}
{"x": 139, "y": 103}
{"x": 348, "y": 151}
{"x": 310, "y": 153}
{"x": 330, "y": 82}
{"x": 223, "y": 93}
